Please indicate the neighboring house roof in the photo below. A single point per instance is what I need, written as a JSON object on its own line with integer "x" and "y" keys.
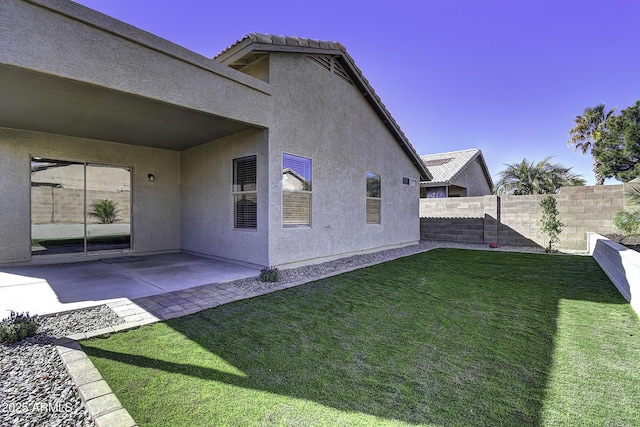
{"x": 293, "y": 185}
{"x": 446, "y": 167}
{"x": 254, "y": 46}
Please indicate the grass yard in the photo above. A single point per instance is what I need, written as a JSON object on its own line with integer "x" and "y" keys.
{"x": 448, "y": 337}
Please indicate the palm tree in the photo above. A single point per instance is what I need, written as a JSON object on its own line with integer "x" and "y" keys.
{"x": 588, "y": 131}
{"x": 541, "y": 177}
{"x": 633, "y": 195}
{"x": 105, "y": 210}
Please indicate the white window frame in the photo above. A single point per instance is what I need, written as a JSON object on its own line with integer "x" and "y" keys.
{"x": 306, "y": 181}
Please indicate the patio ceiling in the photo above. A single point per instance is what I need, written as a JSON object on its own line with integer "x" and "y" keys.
{"x": 45, "y": 103}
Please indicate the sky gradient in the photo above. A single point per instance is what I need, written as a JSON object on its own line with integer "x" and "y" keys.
{"x": 507, "y": 77}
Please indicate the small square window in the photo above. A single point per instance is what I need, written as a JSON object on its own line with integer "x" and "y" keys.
{"x": 409, "y": 181}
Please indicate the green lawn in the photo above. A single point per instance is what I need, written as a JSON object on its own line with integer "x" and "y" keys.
{"x": 448, "y": 337}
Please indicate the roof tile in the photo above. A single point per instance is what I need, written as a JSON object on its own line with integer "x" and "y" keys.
{"x": 278, "y": 40}
{"x": 292, "y": 41}
{"x": 447, "y": 166}
{"x": 261, "y": 38}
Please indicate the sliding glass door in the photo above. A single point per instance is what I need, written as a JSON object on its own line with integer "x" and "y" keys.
{"x": 79, "y": 207}
{"x": 108, "y": 206}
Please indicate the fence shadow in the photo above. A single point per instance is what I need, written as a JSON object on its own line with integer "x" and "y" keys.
{"x": 477, "y": 230}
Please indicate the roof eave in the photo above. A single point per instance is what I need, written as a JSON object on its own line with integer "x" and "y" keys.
{"x": 258, "y": 43}
{"x": 373, "y": 99}
{"x": 435, "y": 183}
{"x": 485, "y": 169}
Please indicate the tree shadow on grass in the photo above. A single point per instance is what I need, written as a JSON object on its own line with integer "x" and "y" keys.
{"x": 447, "y": 337}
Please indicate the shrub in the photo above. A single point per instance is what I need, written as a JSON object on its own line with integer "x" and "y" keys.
{"x": 17, "y": 327}
{"x": 550, "y": 224}
{"x": 105, "y": 210}
{"x": 628, "y": 222}
{"x": 269, "y": 274}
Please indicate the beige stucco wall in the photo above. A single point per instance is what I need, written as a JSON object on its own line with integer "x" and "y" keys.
{"x": 71, "y": 41}
{"x": 308, "y": 111}
{"x": 321, "y": 116}
{"x": 156, "y": 205}
{"x": 207, "y": 202}
{"x": 473, "y": 179}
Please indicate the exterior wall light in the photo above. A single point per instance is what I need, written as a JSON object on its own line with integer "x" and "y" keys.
{"x": 151, "y": 177}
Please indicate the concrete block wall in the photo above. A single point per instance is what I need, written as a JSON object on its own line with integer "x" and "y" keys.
{"x": 453, "y": 219}
{"x": 520, "y": 221}
{"x": 454, "y": 207}
{"x": 464, "y": 230}
{"x": 65, "y": 205}
{"x": 515, "y": 220}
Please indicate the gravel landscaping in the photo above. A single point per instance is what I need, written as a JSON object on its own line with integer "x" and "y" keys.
{"x": 36, "y": 389}
{"x": 311, "y": 272}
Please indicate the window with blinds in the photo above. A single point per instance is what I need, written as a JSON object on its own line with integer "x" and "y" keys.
{"x": 296, "y": 190}
{"x": 245, "y": 195}
{"x": 373, "y": 198}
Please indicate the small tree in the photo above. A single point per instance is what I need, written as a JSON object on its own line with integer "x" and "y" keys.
{"x": 628, "y": 222}
{"x": 105, "y": 210}
{"x": 550, "y": 224}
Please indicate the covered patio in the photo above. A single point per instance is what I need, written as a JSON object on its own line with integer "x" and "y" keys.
{"x": 87, "y": 98}
{"x": 52, "y": 288}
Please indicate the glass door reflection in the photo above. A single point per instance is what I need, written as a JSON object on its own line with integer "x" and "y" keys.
{"x": 108, "y": 199}
{"x": 79, "y": 208}
{"x": 57, "y": 207}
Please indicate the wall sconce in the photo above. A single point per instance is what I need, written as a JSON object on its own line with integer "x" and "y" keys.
{"x": 151, "y": 177}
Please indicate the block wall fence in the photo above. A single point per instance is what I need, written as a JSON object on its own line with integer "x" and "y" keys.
{"x": 52, "y": 205}
{"x": 515, "y": 220}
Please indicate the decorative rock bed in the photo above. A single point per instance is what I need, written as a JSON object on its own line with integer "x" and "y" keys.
{"x": 36, "y": 389}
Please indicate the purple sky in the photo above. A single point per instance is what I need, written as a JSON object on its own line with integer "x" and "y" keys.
{"x": 505, "y": 76}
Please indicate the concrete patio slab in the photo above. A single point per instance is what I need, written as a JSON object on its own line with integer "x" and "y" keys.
{"x": 45, "y": 289}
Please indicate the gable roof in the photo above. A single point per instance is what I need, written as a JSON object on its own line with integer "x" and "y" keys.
{"x": 254, "y": 46}
{"x": 446, "y": 167}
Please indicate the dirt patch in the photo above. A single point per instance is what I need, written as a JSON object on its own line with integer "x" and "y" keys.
{"x": 632, "y": 243}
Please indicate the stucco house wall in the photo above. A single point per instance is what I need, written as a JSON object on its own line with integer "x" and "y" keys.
{"x": 155, "y": 230}
{"x": 85, "y": 87}
{"x": 71, "y": 41}
{"x": 331, "y": 122}
{"x": 207, "y": 203}
{"x": 472, "y": 178}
